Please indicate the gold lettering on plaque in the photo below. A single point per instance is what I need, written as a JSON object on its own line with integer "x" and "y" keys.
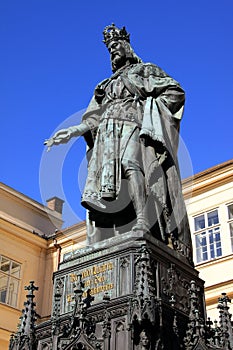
{"x": 95, "y": 278}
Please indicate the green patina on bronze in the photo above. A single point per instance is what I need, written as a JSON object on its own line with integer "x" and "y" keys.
{"x": 131, "y": 127}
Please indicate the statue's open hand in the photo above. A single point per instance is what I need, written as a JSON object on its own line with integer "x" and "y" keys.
{"x": 61, "y": 136}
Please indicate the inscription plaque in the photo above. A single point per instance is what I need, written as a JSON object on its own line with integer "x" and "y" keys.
{"x": 99, "y": 278}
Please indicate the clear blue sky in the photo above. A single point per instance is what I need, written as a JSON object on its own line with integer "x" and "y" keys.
{"x": 52, "y": 56}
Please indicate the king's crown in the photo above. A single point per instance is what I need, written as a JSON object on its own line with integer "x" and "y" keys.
{"x": 111, "y": 33}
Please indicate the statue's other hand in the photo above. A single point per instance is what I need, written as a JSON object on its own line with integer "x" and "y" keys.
{"x": 61, "y": 136}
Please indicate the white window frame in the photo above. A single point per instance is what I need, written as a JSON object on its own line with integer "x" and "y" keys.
{"x": 209, "y": 236}
{"x": 11, "y": 297}
{"x": 230, "y": 224}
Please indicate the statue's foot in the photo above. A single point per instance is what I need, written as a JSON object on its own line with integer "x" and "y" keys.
{"x": 92, "y": 203}
{"x": 141, "y": 225}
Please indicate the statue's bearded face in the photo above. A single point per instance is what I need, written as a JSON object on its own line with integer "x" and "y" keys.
{"x": 117, "y": 54}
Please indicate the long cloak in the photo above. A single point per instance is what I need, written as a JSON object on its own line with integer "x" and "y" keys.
{"x": 160, "y": 103}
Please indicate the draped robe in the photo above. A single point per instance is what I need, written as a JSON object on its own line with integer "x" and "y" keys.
{"x": 139, "y": 99}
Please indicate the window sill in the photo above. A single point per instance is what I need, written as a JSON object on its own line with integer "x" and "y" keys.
{"x": 7, "y": 306}
{"x": 214, "y": 260}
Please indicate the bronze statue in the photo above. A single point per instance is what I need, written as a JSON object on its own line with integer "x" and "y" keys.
{"x": 131, "y": 127}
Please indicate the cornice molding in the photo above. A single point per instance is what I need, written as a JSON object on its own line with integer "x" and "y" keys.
{"x": 23, "y": 233}
{"x": 207, "y": 180}
{"x": 28, "y": 202}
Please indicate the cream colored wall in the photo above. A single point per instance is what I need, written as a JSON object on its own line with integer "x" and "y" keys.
{"x": 65, "y": 241}
{"x": 27, "y": 213}
{"x": 4, "y": 339}
{"x": 23, "y": 222}
{"x": 217, "y": 198}
{"x": 217, "y": 273}
{"x": 39, "y": 258}
{"x": 29, "y": 250}
{"x": 46, "y": 286}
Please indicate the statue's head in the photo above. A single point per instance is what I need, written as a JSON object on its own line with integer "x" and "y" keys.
{"x": 118, "y": 43}
{"x": 144, "y": 339}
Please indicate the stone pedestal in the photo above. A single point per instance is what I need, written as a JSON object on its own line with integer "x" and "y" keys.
{"x": 141, "y": 290}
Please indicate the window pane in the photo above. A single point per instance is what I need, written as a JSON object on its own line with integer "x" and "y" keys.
{"x": 211, "y": 236}
{"x": 230, "y": 211}
{"x": 3, "y": 296}
{"x": 201, "y": 247}
{"x": 212, "y": 254}
{"x": 199, "y": 222}
{"x": 15, "y": 269}
{"x": 9, "y": 281}
{"x": 231, "y": 234}
{"x": 205, "y": 256}
{"x": 3, "y": 287}
{"x": 200, "y": 240}
{"x": 213, "y": 218}
{"x": 5, "y": 265}
{"x": 219, "y": 251}
{"x": 215, "y": 243}
{"x": 13, "y": 291}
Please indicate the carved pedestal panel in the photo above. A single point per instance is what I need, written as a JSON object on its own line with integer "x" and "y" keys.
{"x": 130, "y": 292}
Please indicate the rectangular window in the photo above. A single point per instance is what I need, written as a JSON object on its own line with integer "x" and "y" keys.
{"x": 230, "y": 218}
{"x": 9, "y": 281}
{"x": 207, "y": 236}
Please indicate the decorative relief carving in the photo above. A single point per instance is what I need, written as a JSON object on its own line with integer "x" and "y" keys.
{"x": 58, "y": 292}
{"x": 143, "y": 304}
{"x": 124, "y": 262}
{"x": 174, "y": 288}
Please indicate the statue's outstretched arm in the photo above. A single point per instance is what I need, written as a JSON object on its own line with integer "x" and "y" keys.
{"x": 64, "y": 135}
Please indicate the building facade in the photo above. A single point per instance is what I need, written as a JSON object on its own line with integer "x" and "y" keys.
{"x": 33, "y": 244}
{"x": 209, "y": 201}
{"x": 28, "y": 251}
